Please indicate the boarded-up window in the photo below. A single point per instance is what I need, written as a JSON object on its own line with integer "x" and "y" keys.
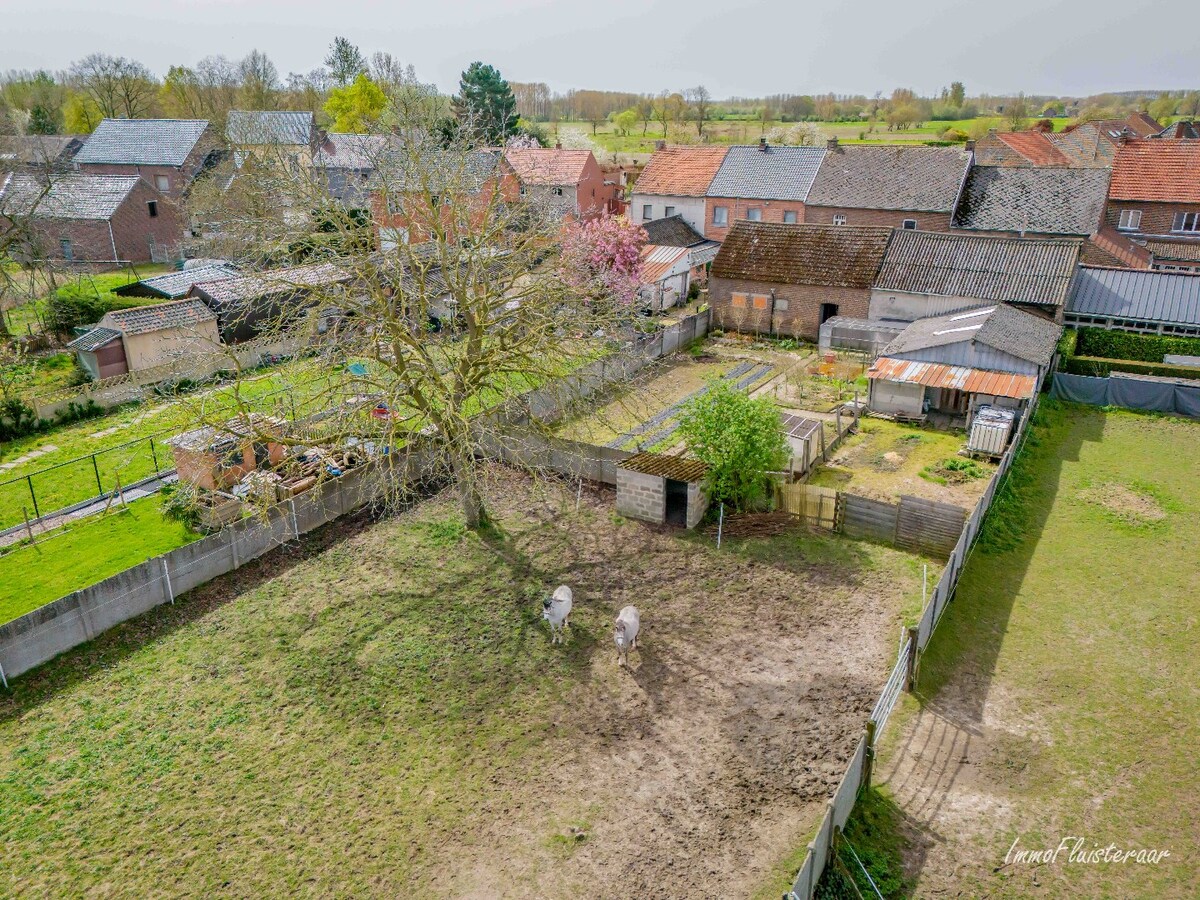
{"x": 781, "y": 304}
{"x": 760, "y": 301}
{"x": 738, "y": 300}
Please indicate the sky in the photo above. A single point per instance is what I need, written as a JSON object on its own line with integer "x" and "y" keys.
{"x": 742, "y": 48}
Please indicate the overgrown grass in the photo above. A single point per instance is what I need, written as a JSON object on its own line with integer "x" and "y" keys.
{"x": 1072, "y": 640}
{"x": 82, "y": 554}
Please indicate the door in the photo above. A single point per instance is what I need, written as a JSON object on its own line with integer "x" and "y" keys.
{"x": 828, "y": 311}
{"x": 676, "y": 512}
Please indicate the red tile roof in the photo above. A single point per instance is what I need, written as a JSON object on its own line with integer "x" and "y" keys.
{"x": 1157, "y": 170}
{"x": 1035, "y": 147}
{"x": 680, "y": 171}
{"x": 548, "y": 165}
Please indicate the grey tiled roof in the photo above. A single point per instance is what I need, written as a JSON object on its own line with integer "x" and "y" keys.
{"x": 1018, "y": 270}
{"x": 1046, "y": 200}
{"x": 435, "y": 170}
{"x": 176, "y": 284}
{"x": 143, "y": 319}
{"x": 94, "y": 339}
{"x": 836, "y": 255}
{"x": 40, "y": 151}
{"x": 1012, "y": 331}
{"x": 263, "y": 284}
{"x": 923, "y": 179}
{"x": 142, "y": 142}
{"x": 1139, "y": 294}
{"x": 72, "y": 196}
{"x": 352, "y": 151}
{"x": 776, "y": 173}
{"x": 255, "y": 127}
{"x": 672, "y": 231}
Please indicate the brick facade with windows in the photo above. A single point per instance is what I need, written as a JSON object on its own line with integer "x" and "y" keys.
{"x": 737, "y": 210}
{"x": 794, "y": 310}
{"x": 891, "y": 218}
{"x": 1154, "y": 218}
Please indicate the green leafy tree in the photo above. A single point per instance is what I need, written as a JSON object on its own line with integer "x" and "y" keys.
{"x": 345, "y": 61}
{"x": 625, "y": 121}
{"x": 958, "y": 94}
{"x": 739, "y": 438}
{"x": 485, "y": 106}
{"x": 358, "y": 106}
{"x": 81, "y": 115}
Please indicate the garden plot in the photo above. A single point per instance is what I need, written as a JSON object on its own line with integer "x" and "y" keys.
{"x": 412, "y": 732}
{"x": 885, "y": 460}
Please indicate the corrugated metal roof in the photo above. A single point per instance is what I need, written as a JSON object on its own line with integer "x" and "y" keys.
{"x": 657, "y": 262}
{"x": 677, "y": 468}
{"x": 774, "y": 173}
{"x": 1016, "y": 270}
{"x": 142, "y": 142}
{"x": 973, "y": 381}
{"x": 1188, "y": 251}
{"x": 1012, "y": 331}
{"x": 1150, "y": 296}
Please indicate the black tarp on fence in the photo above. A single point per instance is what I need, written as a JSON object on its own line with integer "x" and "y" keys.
{"x": 1153, "y": 395}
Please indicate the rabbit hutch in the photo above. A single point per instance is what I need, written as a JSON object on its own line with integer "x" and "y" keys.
{"x": 661, "y": 489}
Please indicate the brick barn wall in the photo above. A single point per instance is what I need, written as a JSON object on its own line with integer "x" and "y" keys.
{"x": 892, "y": 218}
{"x": 133, "y": 226}
{"x": 802, "y": 316}
{"x": 90, "y": 240}
{"x": 772, "y": 211}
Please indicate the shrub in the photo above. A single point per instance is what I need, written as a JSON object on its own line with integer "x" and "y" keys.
{"x": 1128, "y": 345}
{"x": 1099, "y": 367}
{"x": 1068, "y": 342}
{"x": 181, "y": 504}
{"x": 16, "y": 420}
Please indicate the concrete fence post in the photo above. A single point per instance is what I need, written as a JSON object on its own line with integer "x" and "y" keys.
{"x": 3, "y": 677}
{"x": 295, "y": 521}
{"x": 868, "y": 756}
{"x": 168, "y": 591}
{"x": 910, "y": 677}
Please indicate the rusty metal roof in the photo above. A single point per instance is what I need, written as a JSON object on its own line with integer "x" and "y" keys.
{"x": 677, "y": 468}
{"x": 659, "y": 262}
{"x": 973, "y": 381}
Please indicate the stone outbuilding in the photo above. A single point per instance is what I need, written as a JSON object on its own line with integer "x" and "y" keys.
{"x": 660, "y": 489}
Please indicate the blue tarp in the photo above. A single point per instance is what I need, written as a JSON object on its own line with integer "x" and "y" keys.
{"x": 1129, "y": 393}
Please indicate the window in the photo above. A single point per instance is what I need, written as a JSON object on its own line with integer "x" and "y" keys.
{"x": 839, "y": 218}
{"x": 647, "y": 213}
{"x": 910, "y": 224}
{"x": 760, "y": 301}
{"x": 65, "y": 246}
{"x": 720, "y": 215}
{"x": 1131, "y": 220}
{"x": 754, "y": 214}
{"x": 162, "y": 182}
{"x": 789, "y": 217}
{"x": 557, "y": 192}
{"x": 395, "y": 205}
{"x": 521, "y": 190}
{"x": 738, "y": 300}
{"x": 152, "y": 206}
{"x": 669, "y": 211}
{"x": 1186, "y": 222}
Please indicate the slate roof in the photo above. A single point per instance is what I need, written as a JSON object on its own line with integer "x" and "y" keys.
{"x": 680, "y": 171}
{"x": 173, "y": 285}
{"x": 434, "y": 170}
{"x": 39, "y": 150}
{"x": 835, "y": 255}
{"x": 1056, "y": 200}
{"x": 351, "y": 151}
{"x": 901, "y": 178}
{"x": 70, "y": 196}
{"x": 776, "y": 173}
{"x": 1013, "y": 331}
{"x": 160, "y": 316}
{"x": 256, "y": 127}
{"x": 1084, "y": 145}
{"x": 94, "y": 339}
{"x": 1017, "y": 270}
{"x": 142, "y": 142}
{"x": 262, "y": 284}
{"x": 1157, "y": 170}
{"x": 1139, "y": 294}
{"x": 672, "y": 231}
{"x": 1185, "y": 128}
{"x": 548, "y": 166}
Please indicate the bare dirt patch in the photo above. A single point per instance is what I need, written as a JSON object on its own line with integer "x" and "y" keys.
{"x": 1127, "y": 504}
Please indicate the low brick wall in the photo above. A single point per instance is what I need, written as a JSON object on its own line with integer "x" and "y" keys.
{"x": 641, "y": 497}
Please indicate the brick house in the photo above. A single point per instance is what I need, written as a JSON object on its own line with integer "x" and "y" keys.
{"x": 144, "y": 337}
{"x": 930, "y": 274}
{"x": 760, "y": 184}
{"x": 897, "y": 187}
{"x": 39, "y": 153}
{"x": 347, "y": 163}
{"x": 568, "y": 183}
{"x": 409, "y": 194}
{"x": 1155, "y": 189}
{"x": 772, "y": 278}
{"x": 91, "y": 219}
{"x": 167, "y": 153}
{"x": 1019, "y": 148}
{"x": 675, "y": 182}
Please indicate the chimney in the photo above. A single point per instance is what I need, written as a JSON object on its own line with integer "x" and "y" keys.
{"x": 969, "y": 146}
{"x": 762, "y": 144}
{"x": 660, "y": 144}
{"x": 831, "y": 143}
{"x": 558, "y": 145}
{"x": 1123, "y": 137}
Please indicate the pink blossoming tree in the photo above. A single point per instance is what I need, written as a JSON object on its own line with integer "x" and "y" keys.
{"x": 602, "y": 258}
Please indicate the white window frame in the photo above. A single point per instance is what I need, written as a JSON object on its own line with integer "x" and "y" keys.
{"x": 721, "y": 215}
{"x": 1129, "y": 220}
{"x": 1186, "y": 223}
{"x": 162, "y": 182}
{"x": 668, "y": 211}
{"x": 839, "y": 218}
{"x": 647, "y": 212}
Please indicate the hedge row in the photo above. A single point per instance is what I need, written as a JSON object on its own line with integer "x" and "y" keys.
{"x": 1149, "y": 348}
{"x": 1099, "y": 367}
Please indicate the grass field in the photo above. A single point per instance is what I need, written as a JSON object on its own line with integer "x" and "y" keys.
{"x": 82, "y": 554}
{"x": 377, "y": 711}
{"x": 25, "y": 315}
{"x": 1059, "y": 696}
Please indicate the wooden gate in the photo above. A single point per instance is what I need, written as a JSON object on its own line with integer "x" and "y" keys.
{"x": 814, "y": 505}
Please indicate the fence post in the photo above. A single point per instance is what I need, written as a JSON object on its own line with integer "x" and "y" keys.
{"x": 3, "y": 677}
{"x": 868, "y": 756}
{"x": 154, "y": 456}
{"x": 96, "y": 469}
{"x": 910, "y": 678}
{"x": 168, "y": 590}
{"x": 33, "y": 496}
{"x": 295, "y": 521}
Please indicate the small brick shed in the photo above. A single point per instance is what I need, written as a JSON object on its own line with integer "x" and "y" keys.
{"x": 653, "y": 487}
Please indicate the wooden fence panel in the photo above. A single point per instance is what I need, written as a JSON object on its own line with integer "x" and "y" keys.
{"x": 815, "y": 505}
{"x": 872, "y": 519}
{"x": 926, "y": 526}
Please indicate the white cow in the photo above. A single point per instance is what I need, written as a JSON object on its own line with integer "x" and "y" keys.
{"x": 629, "y": 623}
{"x": 555, "y": 610}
